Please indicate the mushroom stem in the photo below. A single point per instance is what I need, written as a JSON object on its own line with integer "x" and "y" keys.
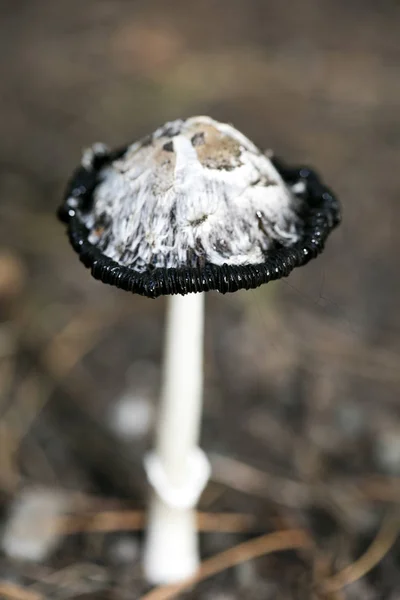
{"x": 177, "y": 470}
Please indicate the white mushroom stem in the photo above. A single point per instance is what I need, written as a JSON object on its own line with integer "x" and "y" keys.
{"x": 177, "y": 469}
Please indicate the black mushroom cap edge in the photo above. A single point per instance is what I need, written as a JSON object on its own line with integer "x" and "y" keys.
{"x": 320, "y": 214}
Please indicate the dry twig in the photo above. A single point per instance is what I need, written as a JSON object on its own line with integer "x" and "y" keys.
{"x": 380, "y": 488}
{"x": 250, "y": 480}
{"x": 110, "y": 521}
{"x": 15, "y": 592}
{"x": 381, "y": 545}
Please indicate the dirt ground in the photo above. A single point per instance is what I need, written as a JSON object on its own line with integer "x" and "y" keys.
{"x": 302, "y": 411}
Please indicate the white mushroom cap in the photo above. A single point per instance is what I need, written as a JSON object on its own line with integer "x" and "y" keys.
{"x": 193, "y": 207}
{"x": 195, "y": 191}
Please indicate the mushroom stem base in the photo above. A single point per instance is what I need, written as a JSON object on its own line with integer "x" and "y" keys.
{"x": 172, "y": 531}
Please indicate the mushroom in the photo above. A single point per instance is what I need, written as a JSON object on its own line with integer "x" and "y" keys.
{"x": 195, "y": 206}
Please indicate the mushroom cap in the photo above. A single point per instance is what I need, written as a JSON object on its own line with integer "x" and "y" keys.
{"x": 195, "y": 206}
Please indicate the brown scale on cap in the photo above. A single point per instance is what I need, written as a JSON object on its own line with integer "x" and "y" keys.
{"x": 215, "y": 149}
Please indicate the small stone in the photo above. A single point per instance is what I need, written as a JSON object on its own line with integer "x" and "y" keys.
{"x": 131, "y": 416}
{"x": 387, "y": 451}
{"x": 124, "y": 550}
{"x": 31, "y": 532}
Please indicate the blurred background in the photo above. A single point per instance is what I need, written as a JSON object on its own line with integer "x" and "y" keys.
{"x": 302, "y": 410}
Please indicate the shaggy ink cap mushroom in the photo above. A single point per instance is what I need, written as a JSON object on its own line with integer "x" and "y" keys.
{"x": 195, "y": 206}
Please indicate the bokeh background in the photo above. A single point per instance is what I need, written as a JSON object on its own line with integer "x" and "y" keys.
{"x": 302, "y": 411}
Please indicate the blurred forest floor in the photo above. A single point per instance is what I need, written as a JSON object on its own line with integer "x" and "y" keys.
{"x": 302, "y": 411}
